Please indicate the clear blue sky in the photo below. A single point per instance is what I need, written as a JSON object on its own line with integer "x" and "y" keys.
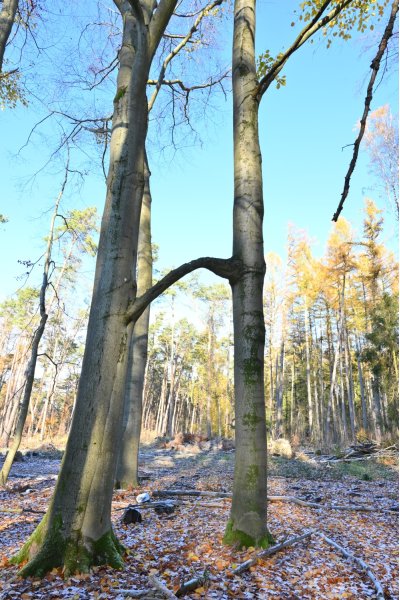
{"x": 303, "y": 128}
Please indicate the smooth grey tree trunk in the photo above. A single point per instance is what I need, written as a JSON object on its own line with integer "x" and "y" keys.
{"x": 7, "y": 17}
{"x": 127, "y": 470}
{"x": 308, "y": 370}
{"x": 76, "y": 531}
{"x": 247, "y": 523}
{"x": 350, "y": 384}
{"x": 280, "y": 367}
{"x": 362, "y": 387}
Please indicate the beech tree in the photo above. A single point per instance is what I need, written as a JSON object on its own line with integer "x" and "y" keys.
{"x": 76, "y": 531}
{"x": 247, "y": 523}
{"x": 127, "y": 470}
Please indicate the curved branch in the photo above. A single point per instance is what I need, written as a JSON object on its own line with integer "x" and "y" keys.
{"x": 380, "y": 595}
{"x": 229, "y": 268}
{"x": 308, "y": 31}
{"x": 387, "y": 34}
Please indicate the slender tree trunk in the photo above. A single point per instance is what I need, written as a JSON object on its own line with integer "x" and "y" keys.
{"x": 30, "y": 371}
{"x": 330, "y": 412}
{"x": 362, "y": 387}
{"x": 308, "y": 370}
{"x": 247, "y": 522}
{"x": 209, "y": 376}
{"x": 292, "y": 397}
{"x": 15, "y": 386}
{"x": 377, "y": 408}
{"x": 30, "y": 375}
{"x": 162, "y": 405}
{"x": 127, "y": 470}
{"x": 343, "y": 428}
{"x": 350, "y": 385}
{"x": 279, "y": 388}
{"x": 50, "y": 393}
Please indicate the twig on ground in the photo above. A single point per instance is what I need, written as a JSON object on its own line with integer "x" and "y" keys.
{"x": 293, "y": 499}
{"x": 191, "y": 585}
{"x": 133, "y": 593}
{"x": 271, "y": 550}
{"x": 161, "y": 587}
{"x": 162, "y": 493}
{"x": 355, "y": 507}
{"x": 19, "y": 511}
{"x": 364, "y": 566}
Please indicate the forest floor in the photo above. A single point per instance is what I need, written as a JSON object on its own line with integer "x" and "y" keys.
{"x": 180, "y": 546}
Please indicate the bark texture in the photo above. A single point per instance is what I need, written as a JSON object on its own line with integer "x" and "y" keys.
{"x": 247, "y": 523}
{"x": 7, "y": 18}
{"x": 127, "y": 472}
{"x": 77, "y": 531}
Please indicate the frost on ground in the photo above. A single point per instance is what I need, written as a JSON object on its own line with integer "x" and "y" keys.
{"x": 185, "y": 544}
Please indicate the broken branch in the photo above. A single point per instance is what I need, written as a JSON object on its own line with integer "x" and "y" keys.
{"x": 387, "y": 34}
{"x": 272, "y": 550}
{"x": 364, "y": 566}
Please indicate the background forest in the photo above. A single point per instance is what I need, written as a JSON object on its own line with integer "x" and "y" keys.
{"x": 331, "y": 356}
{"x": 106, "y": 342}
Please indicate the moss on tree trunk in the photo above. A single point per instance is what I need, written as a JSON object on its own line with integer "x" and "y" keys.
{"x": 46, "y": 550}
{"x": 239, "y": 538}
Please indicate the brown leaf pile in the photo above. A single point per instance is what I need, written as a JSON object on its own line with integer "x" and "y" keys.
{"x": 188, "y": 543}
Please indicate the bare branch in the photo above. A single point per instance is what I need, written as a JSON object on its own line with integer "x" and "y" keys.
{"x": 309, "y": 30}
{"x": 203, "y": 13}
{"x": 159, "y": 22}
{"x": 229, "y": 268}
{"x": 387, "y": 34}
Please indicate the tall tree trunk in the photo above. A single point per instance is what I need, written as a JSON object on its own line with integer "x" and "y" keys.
{"x": 280, "y": 360}
{"x": 308, "y": 371}
{"x": 162, "y": 405}
{"x": 76, "y": 531}
{"x": 343, "y": 428}
{"x": 292, "y": 396}
{"x": 376, "y": 408}
{"x": 247, "y": 523}
{"x": 127, "y": 470}
{"x": 350, "y": 385}
{"x": 362, "y": 387}
{"x": 210, "y": 375}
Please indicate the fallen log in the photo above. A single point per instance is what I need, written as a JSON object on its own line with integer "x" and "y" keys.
{"x": 163, "y": 493}
{"x": 300, "y": 502}
{"x": 271, "y": 550}
{"x": 294, "y": 500}
{"x": 148, "y": 593}
{"x": 161, "y": 504}
{"x": 364, "y": 566}
{"x": 196, "y": 493}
